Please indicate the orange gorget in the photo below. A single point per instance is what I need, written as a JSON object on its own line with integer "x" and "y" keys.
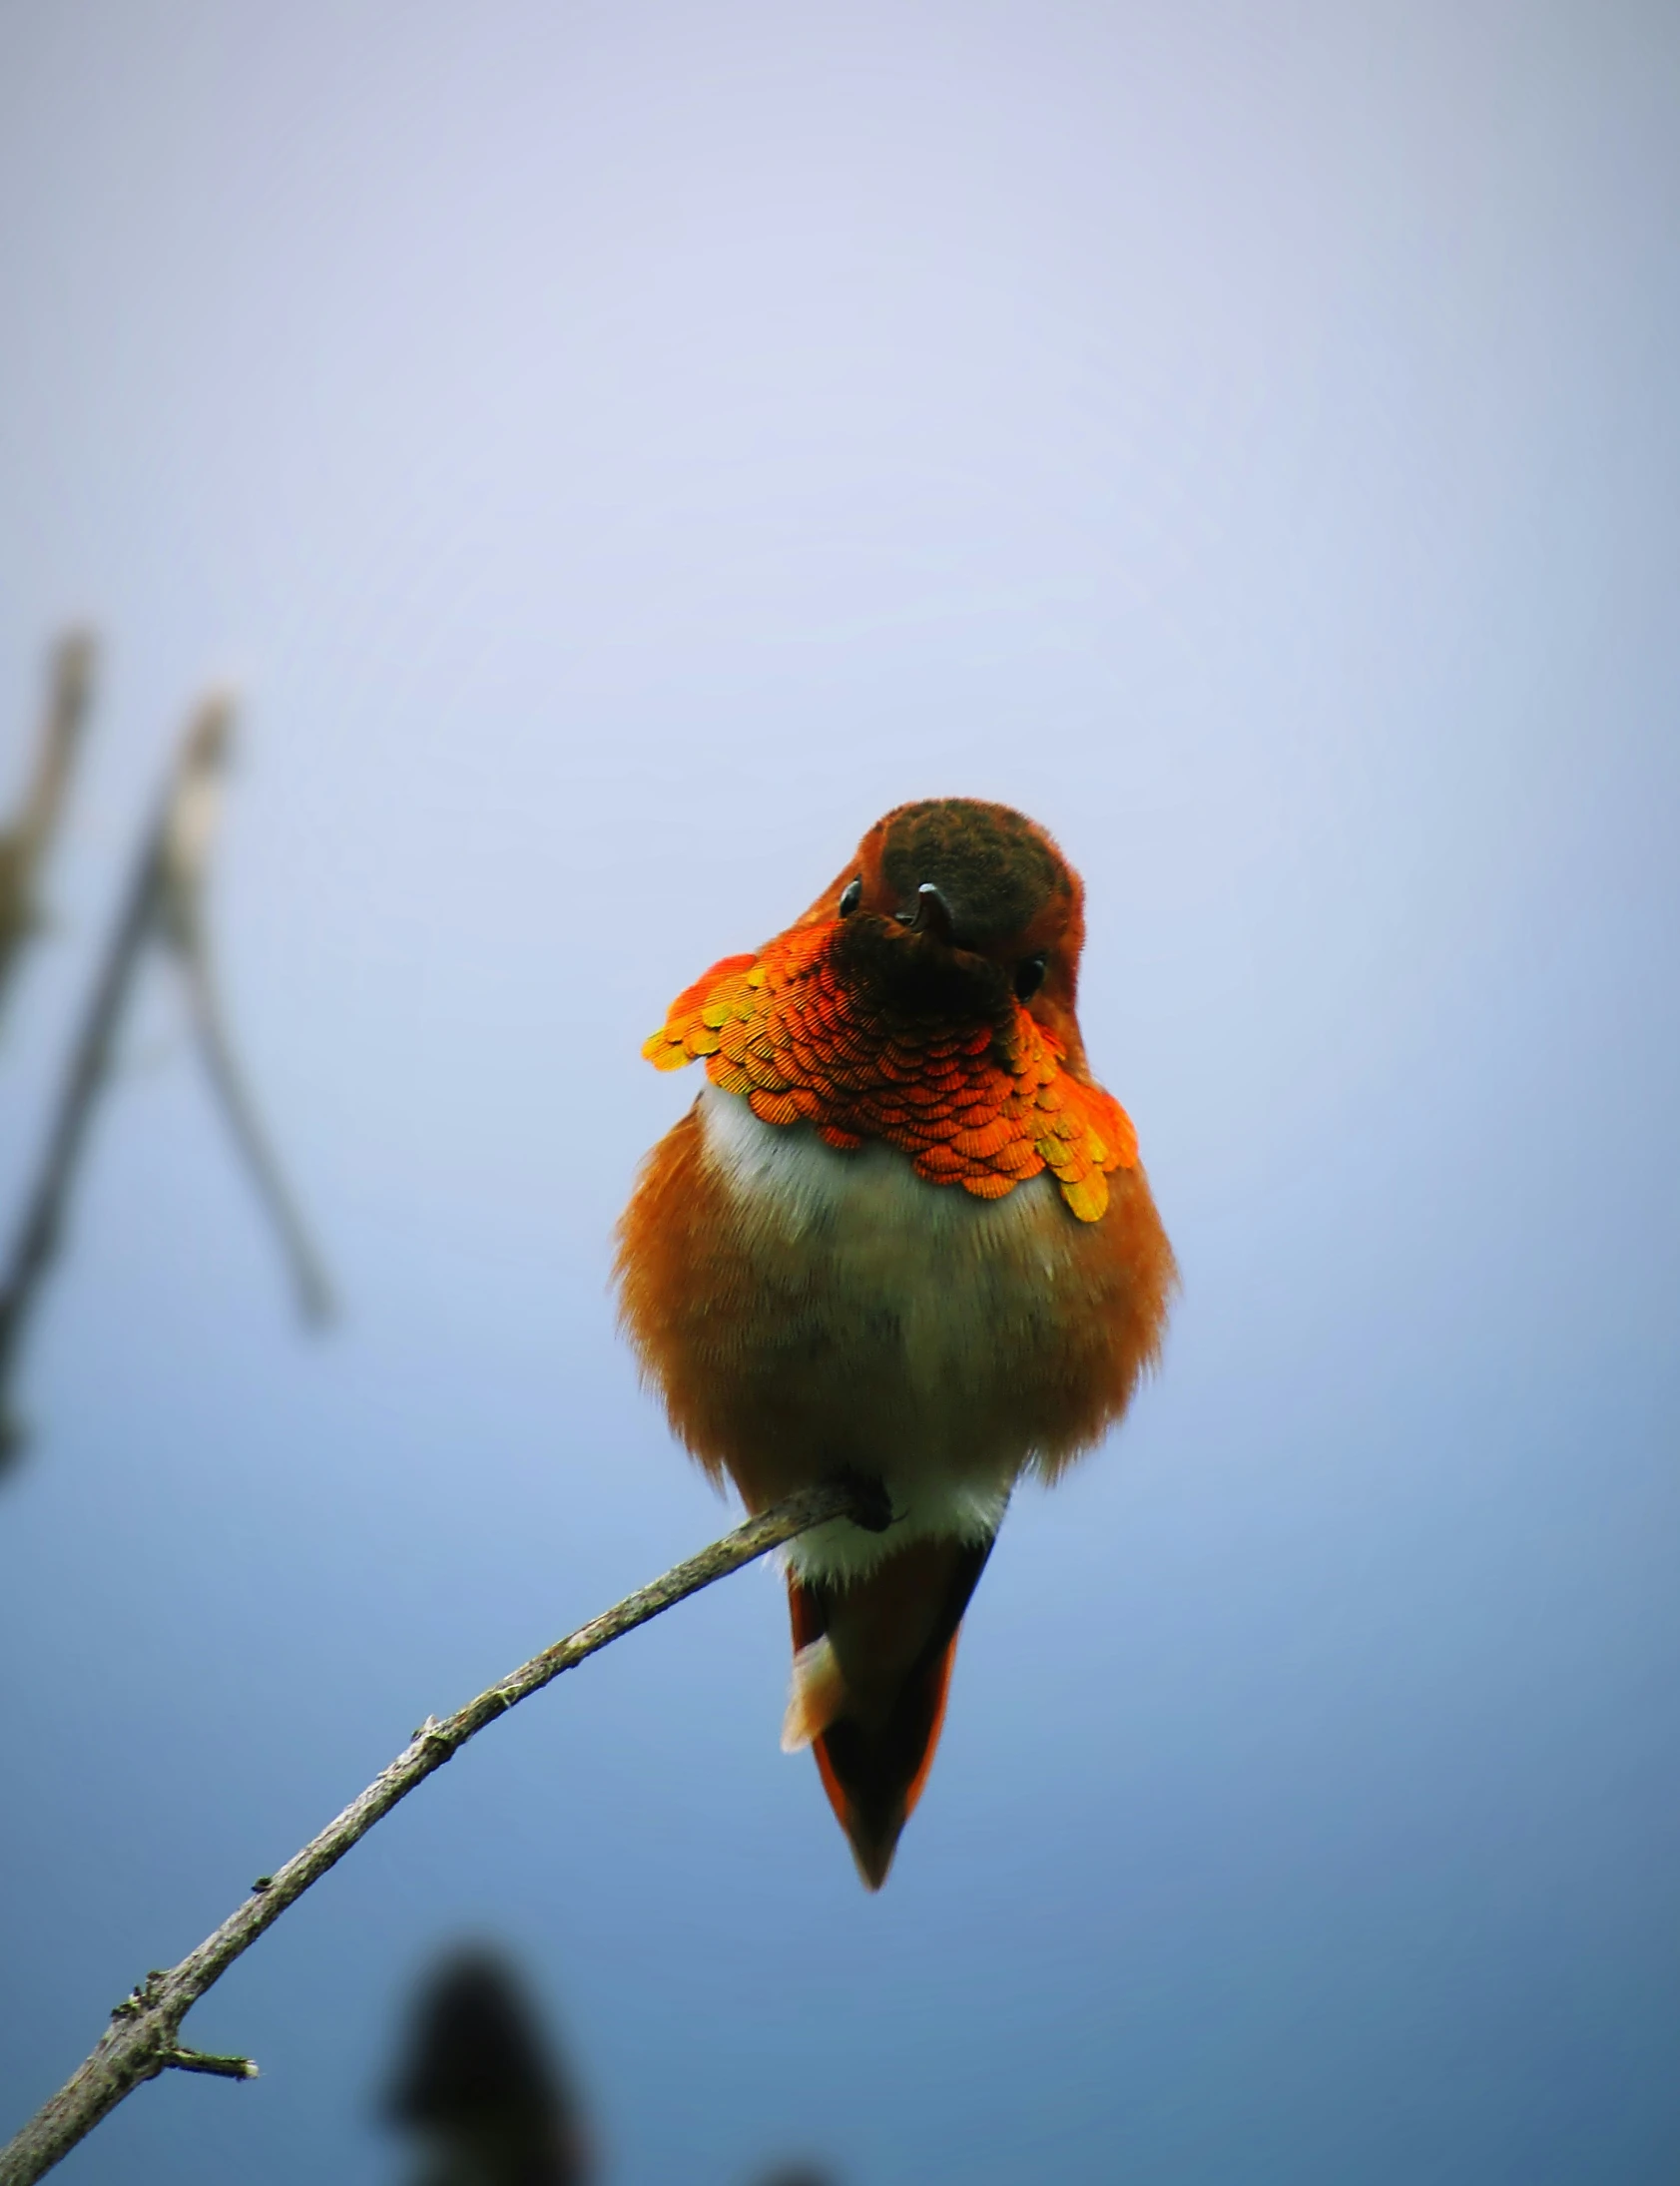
{"x": 982, "y": 1103}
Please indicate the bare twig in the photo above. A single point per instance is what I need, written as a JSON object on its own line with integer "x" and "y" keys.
{"x": 205, "y": 2060}
{"x": 25, "y": 844}
{"x": 144, "y": 2036}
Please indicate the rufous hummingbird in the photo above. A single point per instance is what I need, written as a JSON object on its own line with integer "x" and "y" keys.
{"x": 903, "y": 1233}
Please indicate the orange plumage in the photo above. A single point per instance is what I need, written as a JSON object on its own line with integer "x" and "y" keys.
{"x": 811, "y": 1294}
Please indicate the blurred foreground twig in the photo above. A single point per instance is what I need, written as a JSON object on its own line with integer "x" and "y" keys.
{"x": 144, "y": 2036}
{"x": 164, "y": 900}
{"x": 25, "y": 844}
{"x": 184, "y": 838}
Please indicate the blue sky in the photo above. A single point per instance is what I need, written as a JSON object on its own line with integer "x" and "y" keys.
{"x": 618, "y": 453}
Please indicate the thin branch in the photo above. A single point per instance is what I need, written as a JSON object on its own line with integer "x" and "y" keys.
{"x": 207, "y": 2060}
{"x": 144, "y": 2036}
{"x": 25, "y": 844}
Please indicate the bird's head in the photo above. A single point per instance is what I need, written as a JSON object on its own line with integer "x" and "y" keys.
{"x": 925, "y": 999}
{"x": 952, "y": 904}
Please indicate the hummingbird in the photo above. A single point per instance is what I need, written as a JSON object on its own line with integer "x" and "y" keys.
{"x": 902, "y": 1234}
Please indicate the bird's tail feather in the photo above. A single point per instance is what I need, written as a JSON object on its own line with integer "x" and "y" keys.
{"x": 871, "y": 1669}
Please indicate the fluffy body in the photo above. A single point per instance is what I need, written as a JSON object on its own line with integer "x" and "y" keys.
{"x": 805, "y": 1311}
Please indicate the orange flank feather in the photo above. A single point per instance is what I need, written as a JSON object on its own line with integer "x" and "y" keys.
{"x": 810, "y": 1296}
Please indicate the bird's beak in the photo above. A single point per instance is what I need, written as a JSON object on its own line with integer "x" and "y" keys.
{"x": 933, "y": 915}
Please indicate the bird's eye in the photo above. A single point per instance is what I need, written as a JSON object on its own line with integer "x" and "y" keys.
{"x": 851, "y": 896}
{"x": 1029, "y": 977}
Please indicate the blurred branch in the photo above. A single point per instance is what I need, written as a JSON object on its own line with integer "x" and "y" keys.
{"x": 25, "y": 844}
{"x": 483, "y": 2086}
{"x": 164, "y": 899}
{"x": 144, "y": 2036}
{"x": 36, "y": 1243}
{"x": 189, "y": 824}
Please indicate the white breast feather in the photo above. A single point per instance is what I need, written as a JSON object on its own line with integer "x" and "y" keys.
{"x": 938, "y": 1268}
